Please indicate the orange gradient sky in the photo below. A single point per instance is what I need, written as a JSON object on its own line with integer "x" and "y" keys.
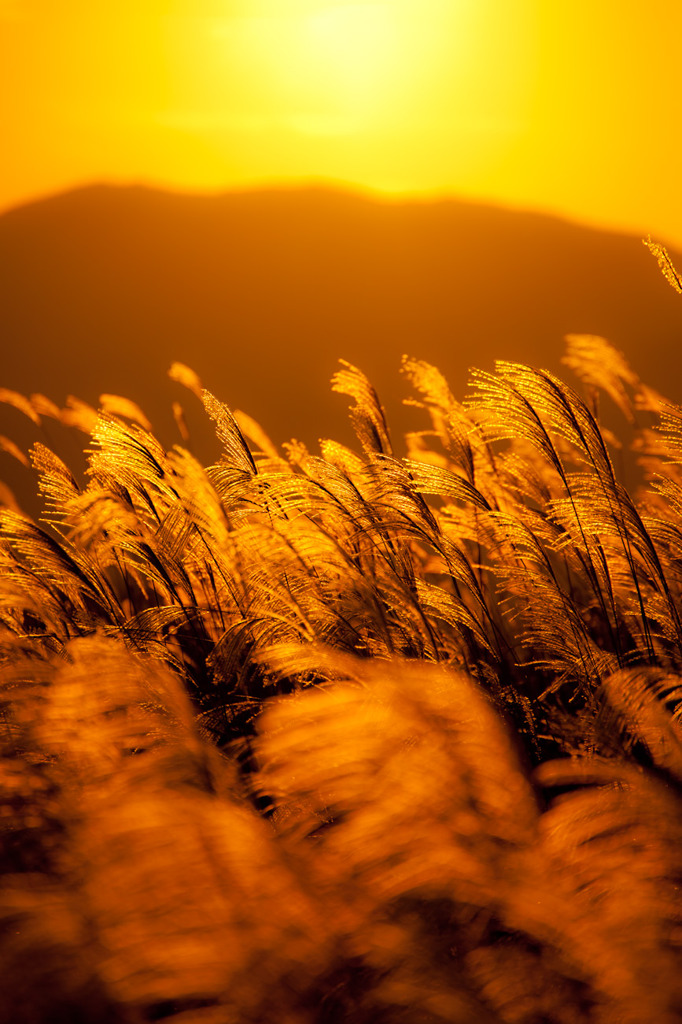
{"x": 570, "y": 108}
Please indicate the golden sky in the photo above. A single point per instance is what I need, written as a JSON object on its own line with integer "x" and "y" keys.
{"x": 572, "y": 108}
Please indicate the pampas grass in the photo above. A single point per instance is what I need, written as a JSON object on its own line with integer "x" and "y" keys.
{"x": 349, "y": 736}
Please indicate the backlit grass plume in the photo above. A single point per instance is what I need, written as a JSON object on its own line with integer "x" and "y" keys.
{"x": 348, "y": 736}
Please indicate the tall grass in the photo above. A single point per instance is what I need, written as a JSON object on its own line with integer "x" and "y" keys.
{"x": 351, "y": 736}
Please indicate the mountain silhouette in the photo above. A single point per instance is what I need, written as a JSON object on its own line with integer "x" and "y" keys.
{"x": 262, "y": 292}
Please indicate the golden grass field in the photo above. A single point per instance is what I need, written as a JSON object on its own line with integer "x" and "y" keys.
{"x": 349, "y": 736}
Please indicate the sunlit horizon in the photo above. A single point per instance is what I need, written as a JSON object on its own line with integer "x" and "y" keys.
{"x": 389, "y": 194}
{"x": 566, "y": 112}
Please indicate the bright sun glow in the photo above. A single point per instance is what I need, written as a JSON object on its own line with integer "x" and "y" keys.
{"x": 353, "y": 49}
{"x": 330, "y": 67}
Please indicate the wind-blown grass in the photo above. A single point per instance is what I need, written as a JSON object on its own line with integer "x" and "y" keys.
{"x": 351, "y": 736}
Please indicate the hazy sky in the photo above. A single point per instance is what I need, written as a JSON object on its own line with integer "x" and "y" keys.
{"x": 568, "y": 107}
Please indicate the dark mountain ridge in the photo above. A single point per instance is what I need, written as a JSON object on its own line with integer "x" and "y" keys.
{"x": 261, "y": 293}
